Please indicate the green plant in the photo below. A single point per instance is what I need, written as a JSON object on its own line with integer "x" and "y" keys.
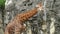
{"x": 2, "y": 3}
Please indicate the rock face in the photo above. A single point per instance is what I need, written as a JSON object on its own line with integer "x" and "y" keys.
{"x": 1, "y": 24}
{"x": 14, "y": 7}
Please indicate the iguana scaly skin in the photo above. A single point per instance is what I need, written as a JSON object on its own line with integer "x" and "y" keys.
{"x": 16, "y": 25}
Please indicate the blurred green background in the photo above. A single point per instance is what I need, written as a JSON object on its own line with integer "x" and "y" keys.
{"x": 2, "y": 3}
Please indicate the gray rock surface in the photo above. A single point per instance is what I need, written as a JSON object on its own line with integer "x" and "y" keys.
{"x": 20, "y": 6}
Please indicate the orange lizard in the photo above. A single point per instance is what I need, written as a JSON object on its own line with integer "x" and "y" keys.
{"x": 16, "y": 25}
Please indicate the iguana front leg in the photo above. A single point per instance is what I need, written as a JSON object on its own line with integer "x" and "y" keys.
{"x": 19, "y": 28}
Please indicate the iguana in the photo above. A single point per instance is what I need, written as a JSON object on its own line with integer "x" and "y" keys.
{"x": 16, "y": 25}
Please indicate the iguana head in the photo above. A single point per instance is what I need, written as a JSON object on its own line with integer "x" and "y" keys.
{"x": 39, "y": 6}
